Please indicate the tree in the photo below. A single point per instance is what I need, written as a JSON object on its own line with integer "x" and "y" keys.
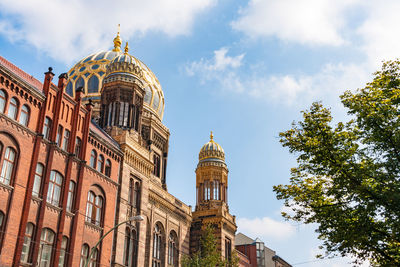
{"x": 348, "y": 175}
{"x": 208, "y": 254}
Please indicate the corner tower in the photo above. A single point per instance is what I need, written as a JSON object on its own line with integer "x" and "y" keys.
{"x": 212, "y": 199}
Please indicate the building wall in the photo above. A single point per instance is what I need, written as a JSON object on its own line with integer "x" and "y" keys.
{"x": 18, "y": 202}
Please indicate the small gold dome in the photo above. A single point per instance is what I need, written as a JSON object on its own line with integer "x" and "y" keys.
{"x": 211, "y": 151}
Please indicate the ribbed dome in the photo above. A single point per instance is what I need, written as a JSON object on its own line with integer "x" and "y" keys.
{"x": 91, "y": 71}
{"x": 211, "y": 151}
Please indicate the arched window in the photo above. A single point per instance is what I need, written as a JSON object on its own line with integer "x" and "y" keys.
{"x": 63, "y": 252}
{"x": 46, "y": 247}
{"x": 3, "y": 100}
{"x": 107, "y": 170}
{"x": 94, "y": 208}
{"x": 206, "y": 190}
{"x": 13, "y": 108}
{"x": 173, "y": 249}
{"x": 93, "y": 84}
{"x": 67, "y": 134}
{"x": 24, "y": 116}
{"x": 157, "y": 246}
{"x": 54, "y": 191}
{"x": 38, "y": 179}
{"x": 100, "y": 163}
{"x": 156, "y": 160}
{"x": 93, "y": 258}
{"x": 137, "y": 196}
{"x": 8, "y": 166}
{"x": 84, "y": 255}
{"x": 130, "y": 192}
{"x": 93, "y": 159}
{"x": 78, "y": 145}
{"x": 71, "y": 196}
{"x": 47, "y": 128}
{"x": 26, "y": 247}
{"x": 216, "y": 190}
{"x": 130, "y": 252}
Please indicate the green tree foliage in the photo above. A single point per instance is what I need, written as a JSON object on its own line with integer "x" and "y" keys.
{"x": 348, "y": 175}
{"x": 208, "y": 254}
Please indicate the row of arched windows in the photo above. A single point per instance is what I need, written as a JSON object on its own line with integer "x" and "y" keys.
{"x": 159, "y": 246}
{"x": 46, "y": 247}
{"x": 97, "y": 162}
{"x": 211, "y": 190}
{"x": 134, "y": 194}
{"x": 13, "y": 108}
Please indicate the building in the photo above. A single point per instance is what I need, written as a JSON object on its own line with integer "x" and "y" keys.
{"x": 258, "y": 254}
{"x": 87, "y": 154}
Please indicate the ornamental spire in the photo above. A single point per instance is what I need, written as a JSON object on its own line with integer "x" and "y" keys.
{"x": 126, "y": 48}
{"x": 211, "y": 136}
{"x": 117, "y": 41}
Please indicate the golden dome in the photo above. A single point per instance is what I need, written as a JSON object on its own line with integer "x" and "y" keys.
{"x": 90, "y": 73}
{"x": 211, "y": 151}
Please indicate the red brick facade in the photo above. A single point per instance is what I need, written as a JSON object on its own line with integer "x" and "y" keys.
{"x": 58, "y": 174}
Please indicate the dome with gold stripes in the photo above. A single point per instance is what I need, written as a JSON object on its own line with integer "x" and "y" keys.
{"x": 91, "y": 71}
{"x": 211, "y": 151}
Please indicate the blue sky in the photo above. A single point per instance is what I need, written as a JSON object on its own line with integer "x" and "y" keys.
{"x": 244, "y": 69}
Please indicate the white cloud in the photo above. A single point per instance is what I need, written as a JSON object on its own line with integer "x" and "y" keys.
{"x": 309, "y": 21}
{"x": 67, "y": 30}
{"x": 290, "y": 89}
{"x": 265, "y": 228}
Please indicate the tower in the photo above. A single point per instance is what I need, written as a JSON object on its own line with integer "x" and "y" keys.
{"x": 212, "y": 199}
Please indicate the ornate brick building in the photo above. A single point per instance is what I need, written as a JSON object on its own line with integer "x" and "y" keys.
{"x": 82, "y": 156}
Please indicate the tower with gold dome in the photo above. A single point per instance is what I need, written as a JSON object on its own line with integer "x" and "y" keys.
{"x": 212, "y": 199}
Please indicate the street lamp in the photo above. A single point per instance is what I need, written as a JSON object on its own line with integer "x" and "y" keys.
{"x": 137, "y": 218}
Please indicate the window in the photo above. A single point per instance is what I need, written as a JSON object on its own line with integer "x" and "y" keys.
{"x": 24, "y": 116}
{"x": 54, "y": 191}
{"x": 130, "y": 192}
{"x": 27, "y": 242}
{"x": 156, "y": 160}
{"x": 93, "y": 158}
{"x": 216, "y": 190}
{"x": 63, "y": 250}
{"x": 207, "y": 190}
{"x": 136, "y": 196}
{"x": 71, "y": 194}
{"x": 46, "y": 247}
{"x": 100, "y": 163}
{"x": 59, "y": 134}
{"x": 93, "y": 84}
{"x": 94, "y": 208}
{"x": 228, "y": 249}
{"x": 130, "y": 251}
{"x": 78, "y": 145}
{"x": 2, "y": 224}
{"x": 66, "y": 140}
{"x": 3, "y": 100}
{"x": 107, "y": 170}
{"x": 172, "y": 249}
{"x": 46, "y": 128}
{"x": 93, "y": 258}
{"x": 13, "y": 108}
{"x": 8, "y": 166}
{"x": 38, "y": 179}
{"x": 84, "y": 255}
{"x": 157, "y": 247}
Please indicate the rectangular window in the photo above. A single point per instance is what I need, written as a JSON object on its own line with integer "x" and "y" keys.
{"x": 38, "y": 179}
{"x": 71, "y": 193}
{"x": 46, "y": 128}
{"x": 78, "y": 145}
{"x": 66, "y": 140}
{"x": 27, "y": 242}
{"x": 59, "y": 134}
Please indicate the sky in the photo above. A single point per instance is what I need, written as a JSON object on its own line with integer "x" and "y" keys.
{"x": 243, "y": 69}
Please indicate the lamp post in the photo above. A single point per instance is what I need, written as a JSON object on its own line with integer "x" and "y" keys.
{"x": 137, "y": 218}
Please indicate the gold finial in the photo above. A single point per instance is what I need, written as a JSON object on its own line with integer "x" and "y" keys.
{"x": 211, "y": 136}
{"x": 117, "y": 41}
{"x": 126, "y": 48}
